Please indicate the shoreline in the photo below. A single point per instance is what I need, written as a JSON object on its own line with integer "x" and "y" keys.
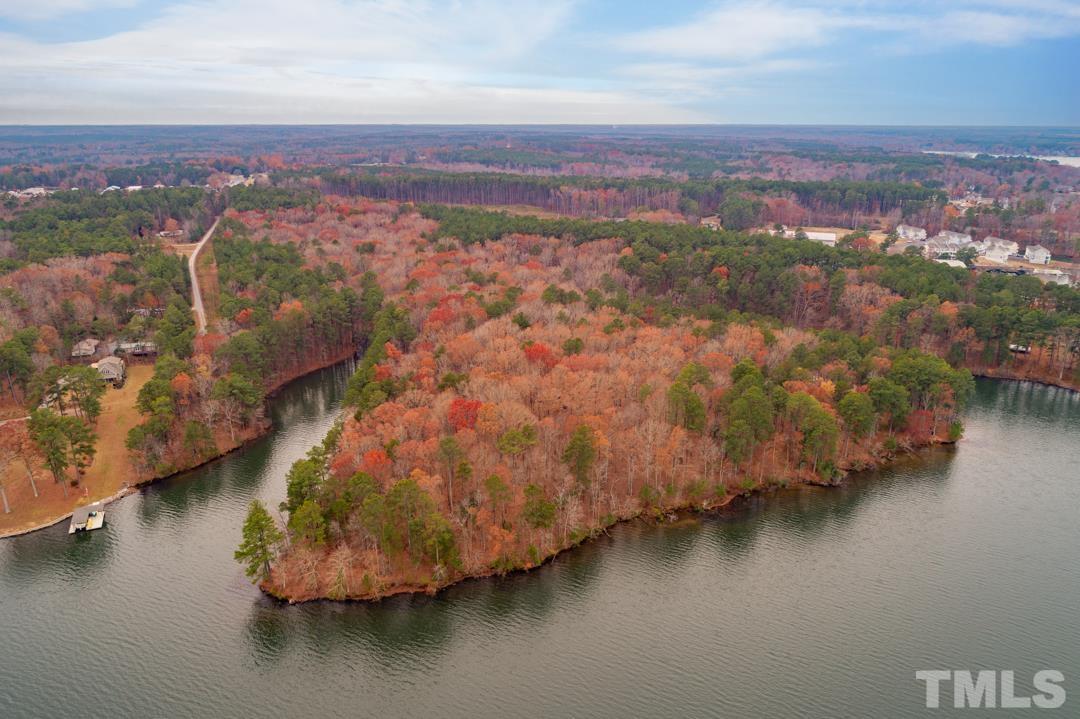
{"x": 136, "y": 485}
{"x": 658, "y": 516}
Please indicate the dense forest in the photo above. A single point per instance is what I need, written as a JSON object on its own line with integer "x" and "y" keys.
{"x": 586, "y": 196}
{"x": 528, "y": 382}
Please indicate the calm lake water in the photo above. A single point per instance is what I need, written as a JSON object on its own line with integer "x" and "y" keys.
{"x": 809, "y": 603}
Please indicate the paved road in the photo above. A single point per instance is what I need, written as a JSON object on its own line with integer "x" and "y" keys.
{"x": 196, "y": 292}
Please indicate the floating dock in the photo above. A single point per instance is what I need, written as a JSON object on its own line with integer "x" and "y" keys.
{"x": 84, "y": 519}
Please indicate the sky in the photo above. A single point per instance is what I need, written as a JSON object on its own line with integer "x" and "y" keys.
{"x": 907, "y": 62}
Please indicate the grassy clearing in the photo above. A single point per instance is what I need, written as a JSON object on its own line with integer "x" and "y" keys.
{"x": 111, "y": 469}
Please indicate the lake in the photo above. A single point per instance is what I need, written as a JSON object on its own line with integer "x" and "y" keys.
{"x": 813, "y": 602}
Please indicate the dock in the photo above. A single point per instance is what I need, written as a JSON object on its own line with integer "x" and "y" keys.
{"x": 86, "y": 518}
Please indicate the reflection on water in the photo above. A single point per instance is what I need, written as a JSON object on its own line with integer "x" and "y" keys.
{"x": 808, "y": 602}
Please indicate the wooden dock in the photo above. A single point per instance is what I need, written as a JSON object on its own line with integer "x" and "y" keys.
{"x": 89, "y": 517}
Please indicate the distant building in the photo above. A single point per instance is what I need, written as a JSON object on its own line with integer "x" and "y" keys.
{"x": 909, "y": 233}
{"x": 1050, "y": 274}
{"x": 825, "y": 238}
{"x": 996, "y": 249}
{"x": 1037, "y": 255}
{"x": 112, "y": 370}
{"x": 946, "y": 244}
{"x": 85, "y": 348}
{"x": 136, "y": 348}
{"x": 712, "y": 222}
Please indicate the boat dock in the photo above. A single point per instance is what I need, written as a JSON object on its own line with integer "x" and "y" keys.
{"x": 84, "y": 519}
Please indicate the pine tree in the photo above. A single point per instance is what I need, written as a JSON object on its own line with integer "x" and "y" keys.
{"x": 261, "y": 536}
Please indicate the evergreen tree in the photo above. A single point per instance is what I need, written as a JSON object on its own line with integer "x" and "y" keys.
{"x": 260, "y": 538}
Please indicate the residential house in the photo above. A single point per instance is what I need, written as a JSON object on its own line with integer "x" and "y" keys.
{"x": 825, "y": 238}
{"x": 946, "y": 244}
{"x": 909, "y": 233}
{"x": 1037, "y": 255}
{"x": 112, "y": 370}
{"x": 996, "y": 249}
{"x": 85, "y": 348}
{"x": 712, "y": 222}
{"x": 1050, "y": 274}
{"x": 136, "y": 348}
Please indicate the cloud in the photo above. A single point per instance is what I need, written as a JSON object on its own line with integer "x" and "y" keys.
{"x": 757, "y": 29}
{"x": 315, "y": 61}
{"x": 37, "y": 10}
{"x": 734, "y": 32}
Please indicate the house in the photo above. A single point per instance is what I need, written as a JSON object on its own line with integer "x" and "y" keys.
{"x": 909, "y": 233}
{"x": 712, "y": 222}
{"x": 1037, "y": 255}
{"x": 138, "y": 349}
{"x": 825, "y": 238}
{"x": 946, "y": 244}
{"x": 996, "y": 249}
{"x": 1050, "y": 274}
{"x": 85, "y": 348}
{"x": 112, "y": 370}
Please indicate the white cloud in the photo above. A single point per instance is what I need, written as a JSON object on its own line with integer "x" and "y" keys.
{"x": 734, "y": 32}
{"x": 316, "y": 61}
{"x": 37, "y": 10}
{"x": 752, "y": 29}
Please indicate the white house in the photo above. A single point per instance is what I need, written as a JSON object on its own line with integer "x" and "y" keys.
{"x": 1037, "y": 255}
{"x": 85, "y": 348}
{"x": 1050, "y": 274}
{"x": 946, "y": 244}
{"x": 909, "y": 233}
{"x": 996, "y": 249}
{"x": 111, "y": 370}
{"x": 825, "y": 238}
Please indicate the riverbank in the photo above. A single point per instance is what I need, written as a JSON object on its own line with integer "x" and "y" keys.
{"x": 306, "y": 583}
{"x": 113, "y": 476}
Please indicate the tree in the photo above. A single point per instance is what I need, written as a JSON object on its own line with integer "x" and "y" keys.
{"x": 80, "y": 439}
{"x": 580, "y": 453}
{"x": 85, "y": 388}
{"x": 498, "y": 493}
{"x": 890, "y": 399}
{"x": 260, "y": 538}
{"x": 16, "y": 366}
{"x": 46, "y": 432}
{"x": 303, "y": 483}
{"x": 538, "y": 511}
{"x": 737, "y": 440}
{"x": 451, "y": 453}
{"x": 308, "y": 524}
{"x": 176, "y": 332}
{"x": 857, "y": 411}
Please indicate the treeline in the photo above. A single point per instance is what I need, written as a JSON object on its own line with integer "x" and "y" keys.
{"x": 163, "y": 171}
{"x": 617, "y": 197}
{"x": 86, "y": 223}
